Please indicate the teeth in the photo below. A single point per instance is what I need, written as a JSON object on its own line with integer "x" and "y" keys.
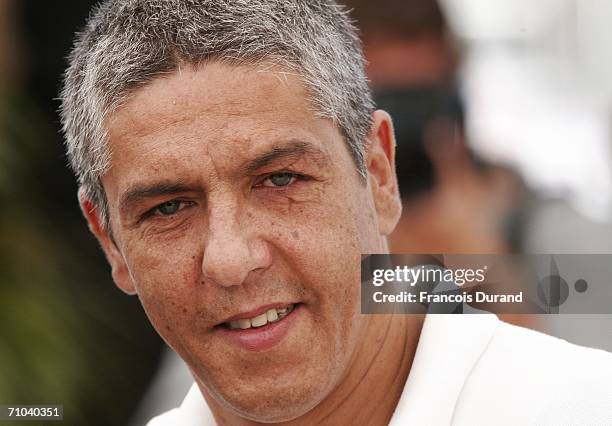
{"x": 260, "y": 320}
{"x": 271, "y": 315}
{"x": 244, "y": 324}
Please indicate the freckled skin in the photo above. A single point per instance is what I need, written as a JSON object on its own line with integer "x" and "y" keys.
{"x": 235, "y": 245}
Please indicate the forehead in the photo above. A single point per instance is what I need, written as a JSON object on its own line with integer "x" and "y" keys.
{"x": 216, "y": 95}
{"x": 217, "y": 112}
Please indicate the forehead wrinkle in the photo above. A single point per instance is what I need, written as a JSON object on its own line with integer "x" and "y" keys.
{"x": 138, "y": 124}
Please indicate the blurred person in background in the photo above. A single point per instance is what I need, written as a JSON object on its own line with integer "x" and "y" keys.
{"x": 452, "y": 201}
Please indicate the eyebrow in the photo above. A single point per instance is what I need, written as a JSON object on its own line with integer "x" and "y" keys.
{"x": 292, "y": 149}
{"x": 157, "y": 189}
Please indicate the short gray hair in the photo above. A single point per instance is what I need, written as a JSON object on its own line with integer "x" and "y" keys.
{"x": 127, "y": 43}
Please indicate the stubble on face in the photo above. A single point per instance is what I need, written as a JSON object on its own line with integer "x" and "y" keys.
{"x": 209, "y": 139}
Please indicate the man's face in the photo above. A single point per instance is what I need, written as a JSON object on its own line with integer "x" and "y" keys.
{"x": 232, "y": 204}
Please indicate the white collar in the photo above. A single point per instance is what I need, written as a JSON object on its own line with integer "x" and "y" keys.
{"x": 449, "y": 347}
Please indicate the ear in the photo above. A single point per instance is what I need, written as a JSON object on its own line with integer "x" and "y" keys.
{"x": 120, "y": 272}
{"x": 380, "y": 162}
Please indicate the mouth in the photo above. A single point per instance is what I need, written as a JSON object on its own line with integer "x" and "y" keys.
{"x": 271, "y": 315}
{"x": 260, "y": 329}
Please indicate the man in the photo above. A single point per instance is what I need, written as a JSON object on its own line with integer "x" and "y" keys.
{"x": 233, "y": 169}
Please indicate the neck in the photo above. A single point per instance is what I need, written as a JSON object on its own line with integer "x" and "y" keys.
{"x": 372, "y": 387}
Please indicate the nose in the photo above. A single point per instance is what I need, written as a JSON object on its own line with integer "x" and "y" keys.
{"x": 233, "y": 248}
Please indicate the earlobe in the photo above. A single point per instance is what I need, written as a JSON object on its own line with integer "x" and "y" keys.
{"x": 381, "y": 170}
{"x": 119, "y": 269}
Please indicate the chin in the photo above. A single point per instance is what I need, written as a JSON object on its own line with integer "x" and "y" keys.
{"x": 277, "y": 408}
{"x": 272, "y": 400}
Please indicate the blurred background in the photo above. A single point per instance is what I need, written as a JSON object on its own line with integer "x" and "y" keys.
{"x": 502, "y": 116}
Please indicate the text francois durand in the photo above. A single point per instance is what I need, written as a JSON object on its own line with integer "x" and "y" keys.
{"x": 413, "y": 275}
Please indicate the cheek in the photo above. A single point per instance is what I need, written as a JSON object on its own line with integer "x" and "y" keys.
{"x": 321, "y": 242}
{"x": 166, "y": 274}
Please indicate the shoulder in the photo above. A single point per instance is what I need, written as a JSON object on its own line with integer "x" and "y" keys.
{"x": 543, "y": 379}
{"x": 544, "y": 356}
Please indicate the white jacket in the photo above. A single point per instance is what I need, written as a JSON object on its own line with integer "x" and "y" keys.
{"x": 476, "y": 370}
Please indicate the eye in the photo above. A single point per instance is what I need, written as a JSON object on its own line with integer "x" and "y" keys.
{"x": 169, "y": 207}
{"x": 279, "y": 180}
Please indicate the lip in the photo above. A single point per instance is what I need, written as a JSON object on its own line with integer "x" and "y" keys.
{"x": 260, "y": 338}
